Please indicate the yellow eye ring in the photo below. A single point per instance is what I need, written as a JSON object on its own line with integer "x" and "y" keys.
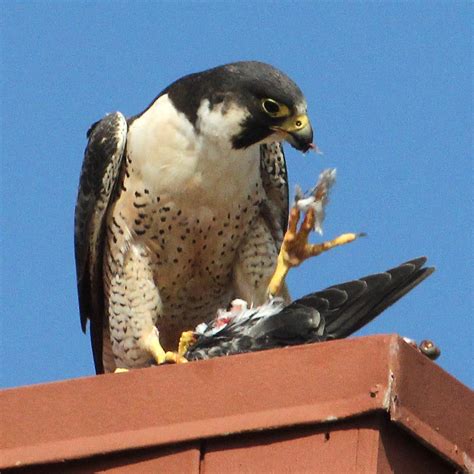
{"x": 274, "y": 109}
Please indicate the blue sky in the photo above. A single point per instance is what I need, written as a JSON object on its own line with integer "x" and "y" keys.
{"x": 389, "y": 86}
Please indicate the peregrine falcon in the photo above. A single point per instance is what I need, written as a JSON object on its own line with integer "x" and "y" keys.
{"x": 183, "y": 207}
{"x": 333, "y": 313}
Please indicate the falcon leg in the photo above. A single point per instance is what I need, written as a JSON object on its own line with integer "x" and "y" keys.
{"x": 296, "y": 249}
{"x": 254, "y": 264}
{"x": 133, "y": 334}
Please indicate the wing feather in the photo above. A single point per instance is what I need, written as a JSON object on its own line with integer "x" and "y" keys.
{"x": 333, "y": 313}
{"x": 275, "y": 182}
{"x": 99, "y": 176}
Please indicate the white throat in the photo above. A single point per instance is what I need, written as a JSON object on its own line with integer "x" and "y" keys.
{"x": 173, "y": 157}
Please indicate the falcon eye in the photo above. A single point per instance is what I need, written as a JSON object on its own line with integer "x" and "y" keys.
{"x": 271, "y": 107}
{"x": 274, "y": 109}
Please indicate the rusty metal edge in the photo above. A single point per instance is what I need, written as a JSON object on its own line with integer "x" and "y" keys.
{"x": 407, "y": 420}
{"x": 432, "y": 440}
{"x": 383, "y": 399}
{"x": 80, "y": 448}
{"x": 334, "y": 409}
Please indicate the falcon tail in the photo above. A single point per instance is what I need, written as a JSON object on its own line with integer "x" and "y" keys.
{"x": 333, "y": 313}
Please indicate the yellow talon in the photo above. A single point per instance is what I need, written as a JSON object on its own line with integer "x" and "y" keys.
{"x": 316, "y": 249}
{"x": 186, "y": 339}
{"x": 295, "y": 248}
{"x": 175, "y": 358}
{"x": 161, "y": 356}
{"x": 119, "y": 370}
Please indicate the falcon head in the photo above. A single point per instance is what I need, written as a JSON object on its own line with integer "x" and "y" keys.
{"x": 247, "y": 102}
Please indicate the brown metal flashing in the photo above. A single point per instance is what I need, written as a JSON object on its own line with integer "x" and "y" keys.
{"x": 432, "y": 405}
{"x": 305, "y": 385}
{"x": 168, "y": 459}
{"x": 400, "y": 452}
{"x": 365, "y": 444}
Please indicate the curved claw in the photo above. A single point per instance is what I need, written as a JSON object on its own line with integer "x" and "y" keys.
{"x": 120, "y": 370}
{"x": 174, "y": 358}
{"x": 295, "y": 248}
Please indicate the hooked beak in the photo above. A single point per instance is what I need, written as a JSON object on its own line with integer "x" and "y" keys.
{"x": 297, "y": 131}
